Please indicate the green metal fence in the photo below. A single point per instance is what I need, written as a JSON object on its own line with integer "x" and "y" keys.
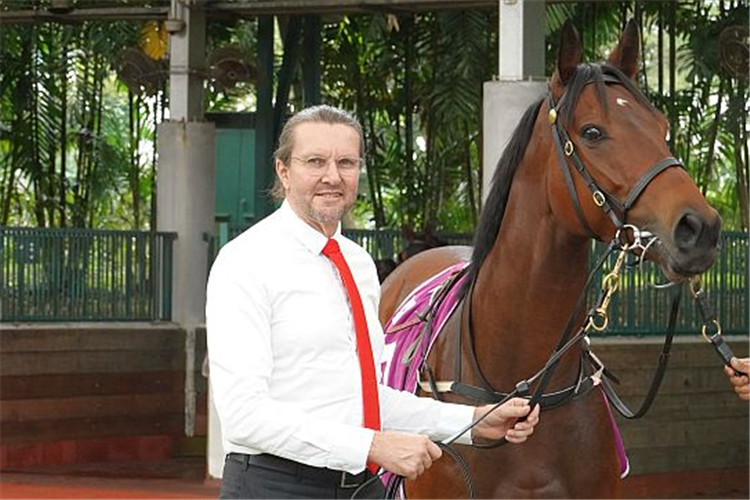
{"x": 380, "y": 243}
{"x": 95, "y": 275}
{"x": 639, "y": 308}
{"x": 387, "y": 243}
{"x": 84, "y": 275}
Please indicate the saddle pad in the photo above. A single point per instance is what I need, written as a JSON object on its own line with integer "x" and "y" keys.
{"x": 402, "y": 332}
{"x": 405, "y": 350}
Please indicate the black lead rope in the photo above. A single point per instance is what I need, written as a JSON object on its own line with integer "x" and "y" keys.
{"x": 711, "y": 329}
{"x": 661, "y": 369}
{"x": 395, "y": 483}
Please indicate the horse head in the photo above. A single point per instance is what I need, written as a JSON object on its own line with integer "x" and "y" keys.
{"x": 588, "y": 160}
{"x": 627, "y": 175}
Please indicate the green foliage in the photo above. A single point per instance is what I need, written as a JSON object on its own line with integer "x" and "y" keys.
{"x": 73, "y": 141}
{"x": 66, "y": 152}
{"x": 416, "y": 85}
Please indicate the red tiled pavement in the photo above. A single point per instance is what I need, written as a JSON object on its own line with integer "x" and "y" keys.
{"x": 114, "y": 490}
{"x": 176, "y": 478}
{"x": 185, "y": 478}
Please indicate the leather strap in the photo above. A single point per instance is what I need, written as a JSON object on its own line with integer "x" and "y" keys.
{"x": 661, "y": 369}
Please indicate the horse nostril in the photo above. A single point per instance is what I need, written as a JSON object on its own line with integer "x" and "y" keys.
{"x": 688, "y": 231}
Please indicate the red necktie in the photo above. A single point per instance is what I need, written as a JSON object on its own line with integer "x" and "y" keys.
{"x": 371, "y": 406}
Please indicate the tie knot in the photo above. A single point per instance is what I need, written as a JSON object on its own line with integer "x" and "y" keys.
{"x": 332, "y": 247}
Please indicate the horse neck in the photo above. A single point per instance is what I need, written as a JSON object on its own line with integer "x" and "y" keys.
{"x": 529, "y": 283}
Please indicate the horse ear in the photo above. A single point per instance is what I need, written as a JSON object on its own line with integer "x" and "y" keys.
{"x": 626, "y": 55}
{"x": 571, "y": 53}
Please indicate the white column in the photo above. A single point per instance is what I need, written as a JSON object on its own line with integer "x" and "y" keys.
{"x": 520, "y": 81}
{"x": 504, "y": 105}
{"x": 521, "y": 39}
{"x": 185, "y": 190}
{"x": 185, "y": 180}
{"x": 187, "y": 55}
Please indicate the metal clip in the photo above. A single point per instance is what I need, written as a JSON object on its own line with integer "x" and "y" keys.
{"x": 696, "y": 285}
{"x": 599, "y": 313}
{"x": 704, "y": 330}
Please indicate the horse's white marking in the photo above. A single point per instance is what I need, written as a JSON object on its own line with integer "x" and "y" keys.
{"x": 622, "y": 102}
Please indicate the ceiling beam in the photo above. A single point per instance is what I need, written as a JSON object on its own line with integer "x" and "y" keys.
{"x": 79, "y": 15}
{"x": 345, "y": 6}
{"x": 219, "y": 9}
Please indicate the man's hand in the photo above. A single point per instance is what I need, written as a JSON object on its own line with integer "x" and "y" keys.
{"x": 503, "y": 422}
{"x": 407, "y": 455}
{"x": 740, "y": 383}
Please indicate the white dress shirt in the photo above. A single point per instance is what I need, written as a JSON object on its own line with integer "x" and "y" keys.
{"x": 282, "y": 350}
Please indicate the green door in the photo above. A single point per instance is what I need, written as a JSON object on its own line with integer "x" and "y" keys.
{"x": 236, "y": 201}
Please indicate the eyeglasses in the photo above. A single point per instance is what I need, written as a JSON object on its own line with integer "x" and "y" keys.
{"x": 318, "y": 164}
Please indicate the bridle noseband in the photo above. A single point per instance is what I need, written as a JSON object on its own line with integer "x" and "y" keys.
{"x": 607, "y": 202}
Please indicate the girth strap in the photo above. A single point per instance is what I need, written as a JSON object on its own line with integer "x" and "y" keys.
{"x": 547, "y": 401}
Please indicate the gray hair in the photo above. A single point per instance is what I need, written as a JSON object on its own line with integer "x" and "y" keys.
{"x": 314, "y": 114}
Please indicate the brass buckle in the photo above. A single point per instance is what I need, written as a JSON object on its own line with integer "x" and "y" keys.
{"x": 599, "y": 198}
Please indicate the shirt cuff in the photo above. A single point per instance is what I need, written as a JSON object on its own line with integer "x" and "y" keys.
{"x": 453, "y": 418}
{"x": 350, "y": 449}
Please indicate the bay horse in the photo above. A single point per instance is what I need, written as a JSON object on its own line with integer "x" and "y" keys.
{"x": 529, "y": 265}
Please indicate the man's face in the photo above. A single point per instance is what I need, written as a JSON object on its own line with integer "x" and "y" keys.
{"x": 321, "y": 178}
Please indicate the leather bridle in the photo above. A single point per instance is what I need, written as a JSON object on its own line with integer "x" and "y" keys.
{"x": 591, "y": 371}
{"x": 616, "y": 210}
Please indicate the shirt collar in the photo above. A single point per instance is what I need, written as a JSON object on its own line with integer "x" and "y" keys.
{"x": 311, "y": 238}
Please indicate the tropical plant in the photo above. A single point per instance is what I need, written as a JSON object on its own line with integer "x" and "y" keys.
{"x": 69, "y": 148}
{"x": 72, "y": 135}
{"x": 416, "y": 83}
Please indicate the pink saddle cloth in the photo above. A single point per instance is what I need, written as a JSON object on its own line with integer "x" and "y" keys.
{"x": 408, "y": 342}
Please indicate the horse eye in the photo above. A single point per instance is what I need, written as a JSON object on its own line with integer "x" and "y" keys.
{"x": 592, "y": 133}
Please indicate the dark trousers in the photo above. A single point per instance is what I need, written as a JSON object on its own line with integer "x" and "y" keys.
{"x": 268, "y": 476}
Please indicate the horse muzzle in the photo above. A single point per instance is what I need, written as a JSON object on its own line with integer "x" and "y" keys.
{"x": 692, "y": 246}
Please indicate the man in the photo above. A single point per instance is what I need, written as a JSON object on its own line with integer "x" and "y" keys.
{"x": 290, "y": 306}
{"x": 740, "y": 383}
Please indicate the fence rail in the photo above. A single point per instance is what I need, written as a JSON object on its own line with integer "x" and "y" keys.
{"x": 96, "y": 275}
{"x": 84, "y": 275}
{"x": 638, "y": 308}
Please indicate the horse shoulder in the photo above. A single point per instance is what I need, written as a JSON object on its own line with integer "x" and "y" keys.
{"x": 414, "y": 271}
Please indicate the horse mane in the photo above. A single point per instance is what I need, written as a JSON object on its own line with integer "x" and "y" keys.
{"x": 494, "y": 207}
{"x": 493, "y": 211}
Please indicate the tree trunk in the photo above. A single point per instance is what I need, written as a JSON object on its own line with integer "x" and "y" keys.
{"x": 741, "y": 159}
{"x": 409, "y": 115}
{"x": 468, "y": 173}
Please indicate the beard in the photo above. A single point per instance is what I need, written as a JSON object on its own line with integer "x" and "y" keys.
{"x": 328, "y": 215}
{"x": 320, "y": 210}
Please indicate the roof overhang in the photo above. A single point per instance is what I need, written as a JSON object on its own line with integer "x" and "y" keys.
{"x": 12, "y": 12}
